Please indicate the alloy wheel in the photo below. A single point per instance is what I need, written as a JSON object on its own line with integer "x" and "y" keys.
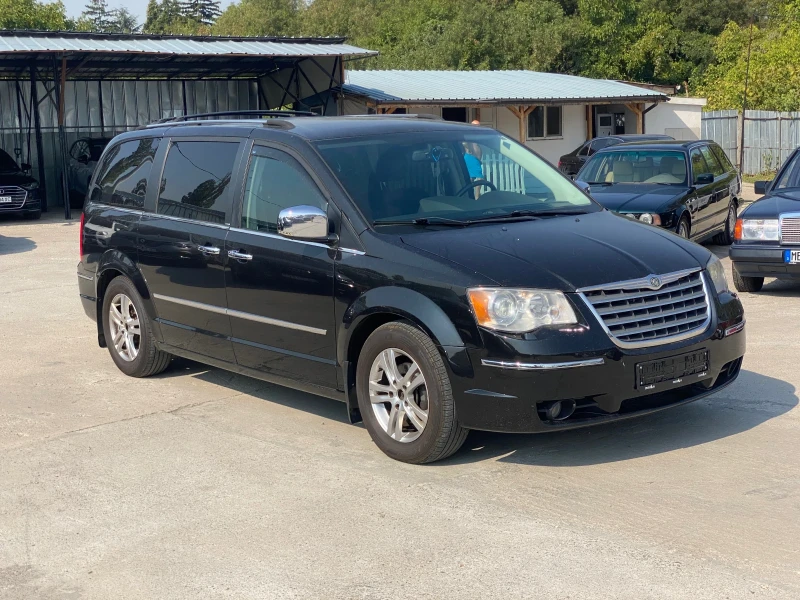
{"x": 683, "y": 230}
{"x": 399, "y": 395}
{"x": 123, "y": 322}
{"x": 731, "y": 219}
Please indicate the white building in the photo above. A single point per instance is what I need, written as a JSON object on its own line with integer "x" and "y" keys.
{"x": 552, "y": 114}
{"x": 680, "y": 118}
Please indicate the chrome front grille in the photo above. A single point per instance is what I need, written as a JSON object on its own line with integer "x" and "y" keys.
{"x": 653, "y": 310}
{"x": 790, "y": 229}
{"x": 17, "y": 195}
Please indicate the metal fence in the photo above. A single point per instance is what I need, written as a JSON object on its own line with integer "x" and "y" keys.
{"x": 769, "y": 137}
{"x": 104, "y": 109}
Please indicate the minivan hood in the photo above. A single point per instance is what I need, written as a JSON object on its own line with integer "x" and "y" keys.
{"x": 562, "y": 253}
{"x": 637, "y": 197}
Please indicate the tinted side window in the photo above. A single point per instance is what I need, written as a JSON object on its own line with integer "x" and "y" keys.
{"x": 698, "y": 164}
{"x": 275, "y": 181}
{"x": 721, "y": 157}
{"x": 196, "y": 181}
{"x": 122, "y": 180}
{"x": 712, "y": 161}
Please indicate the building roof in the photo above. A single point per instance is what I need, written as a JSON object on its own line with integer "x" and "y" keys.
{"x": 121, "y": 56}
{"x": 488, "y": 87}
{"x": 73, "y": 41}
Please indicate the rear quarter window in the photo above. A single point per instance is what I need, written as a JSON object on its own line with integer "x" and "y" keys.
{"x": 122, "y": 178}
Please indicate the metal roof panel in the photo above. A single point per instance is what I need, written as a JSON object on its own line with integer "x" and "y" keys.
{"x": 32, "y": 42}
{"x": 487, "y": 86}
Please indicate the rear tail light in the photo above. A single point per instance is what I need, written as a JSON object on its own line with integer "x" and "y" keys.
{"x": 80, "y": 234}
{"x": 737, "y": 230}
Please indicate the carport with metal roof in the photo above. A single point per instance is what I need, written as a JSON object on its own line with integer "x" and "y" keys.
{"x": 57, "y": 87}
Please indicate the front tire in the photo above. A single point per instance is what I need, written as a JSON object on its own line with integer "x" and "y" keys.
{"x": 683, "y": 229}
{"x": 129, "y": 333}
{"x": 725, "y": 237}
{"x": 33, "y": 215}
{"x": 405, "y": 397}
{"x": 746, "y": 284}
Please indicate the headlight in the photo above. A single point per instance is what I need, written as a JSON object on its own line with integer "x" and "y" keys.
{"x": 757, "y": 230}
{"x": 717, "y": 273}
{"x": 34, "y": 185}
{"x": 650, "y": 219}
{"x": 518, "y": 311}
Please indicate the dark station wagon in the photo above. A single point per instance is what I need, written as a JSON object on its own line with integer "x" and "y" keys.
{"x": 690, "y": 188}
{"x": 435, "y": 277}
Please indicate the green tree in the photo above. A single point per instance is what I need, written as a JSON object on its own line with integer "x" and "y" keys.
{"x": 97, "y": 16}
{"x": 259, "y": 18}
{"x": 774, "y": 70}
{"x": 123, "y": 21}
{"x": 166, "y": 18}
{"x": 201, "y": 11}
{"x": 30, "y": 14}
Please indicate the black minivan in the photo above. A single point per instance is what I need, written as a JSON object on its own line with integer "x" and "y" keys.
{"x": 435, "y": 277}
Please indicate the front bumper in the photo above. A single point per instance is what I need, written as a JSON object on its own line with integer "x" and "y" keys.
{"x": 752, "y": 260}
{"x": 31, "y": 205}
{"x": 588, "y": 369}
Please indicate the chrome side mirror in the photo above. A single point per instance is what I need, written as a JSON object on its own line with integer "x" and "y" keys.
{"x": 303, "y": 223}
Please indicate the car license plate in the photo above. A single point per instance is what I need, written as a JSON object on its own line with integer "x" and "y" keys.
{"x": 791, "y": 256}
{"x": 674, "y": 370}
{"x": 6, "y": 199}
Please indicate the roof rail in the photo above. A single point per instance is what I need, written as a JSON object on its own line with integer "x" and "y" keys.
{"x": 231, "y": 113}
{"x": 400, "y": 116}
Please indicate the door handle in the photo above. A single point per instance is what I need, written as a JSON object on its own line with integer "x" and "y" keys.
{"x": 239, "y": 255}
{"x": 209, "y": 250}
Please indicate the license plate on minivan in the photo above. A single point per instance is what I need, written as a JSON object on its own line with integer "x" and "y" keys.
{"x": 6, "y": 199}
{"x": 673, "y": 370}
{"x": 791, "y": 256}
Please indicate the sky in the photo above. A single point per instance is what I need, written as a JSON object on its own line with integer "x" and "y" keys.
{"x": 137, "y": 7}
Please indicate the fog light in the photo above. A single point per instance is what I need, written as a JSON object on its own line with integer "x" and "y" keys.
{"x": 560, "y": 410}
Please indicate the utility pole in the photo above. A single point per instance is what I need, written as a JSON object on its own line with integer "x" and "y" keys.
{"x": 744, "y": 99}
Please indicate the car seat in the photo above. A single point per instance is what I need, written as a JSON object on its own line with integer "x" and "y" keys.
{"x": 391, "y": 192}
{"x": 621, "y": 172}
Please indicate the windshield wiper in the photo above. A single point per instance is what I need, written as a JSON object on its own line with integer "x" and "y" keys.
{"x": 598, "y": 182}
{"x": 422, "y": 221}
{"x": 512, "y": 216}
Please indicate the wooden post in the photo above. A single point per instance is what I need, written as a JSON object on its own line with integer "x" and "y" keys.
{"x": 589, "y": 121}
{"x": 521, "y": 112}
{"x": 637, "y": 110}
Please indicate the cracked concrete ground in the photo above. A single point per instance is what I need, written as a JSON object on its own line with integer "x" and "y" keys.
{"x": 202, "y": 484}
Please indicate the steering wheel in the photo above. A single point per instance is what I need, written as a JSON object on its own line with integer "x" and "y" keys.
{"x": 474, "y": 184}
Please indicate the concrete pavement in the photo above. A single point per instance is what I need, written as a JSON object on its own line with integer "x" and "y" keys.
{"x": 203, "y": 484}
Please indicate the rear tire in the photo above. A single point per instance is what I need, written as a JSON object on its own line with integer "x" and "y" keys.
{"x": 420, "y": 427}
{"x": 725, "y": 237}
{"x": 129, "y": 332}
{"x": 746, "y": 284}
{"x": 683, "y": 229}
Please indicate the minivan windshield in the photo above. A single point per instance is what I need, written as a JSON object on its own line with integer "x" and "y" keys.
{"x": 449, "y": 177}
{"x": 635, "y": 166}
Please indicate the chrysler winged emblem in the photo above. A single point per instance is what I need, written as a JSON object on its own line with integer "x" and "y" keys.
{"x": 655, "y": 282}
